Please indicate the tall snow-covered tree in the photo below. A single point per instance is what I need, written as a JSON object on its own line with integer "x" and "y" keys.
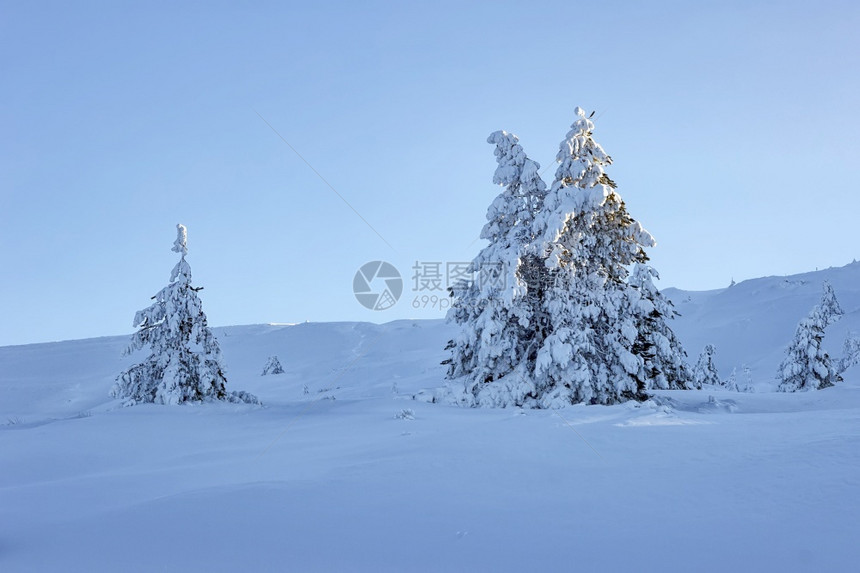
{"x": 806, "y": 365}
{"x": 705, "y": 372}
{"x": 663, "y": 355}
{"x": 589, "y": 241}
{"x": 489, "y": 354}
{"x": 571, "y": 325}
{"x": 184, "y": 363}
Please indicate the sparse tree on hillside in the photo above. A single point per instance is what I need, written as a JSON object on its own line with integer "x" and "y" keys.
{"x": 184, "y": 364}
{"x": 705, "y": 372}
{"x": 273, "y": 366}
{"x": 806, "y": 365}
{"x": 748, "y": 383}
{"x": 850, "y": 353}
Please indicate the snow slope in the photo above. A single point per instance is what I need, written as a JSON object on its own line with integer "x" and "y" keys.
{"x": 753, "y": 321}
{"x": 326, "y": 477}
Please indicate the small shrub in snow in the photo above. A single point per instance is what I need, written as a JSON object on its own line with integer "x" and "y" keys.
{"x": 424, "y": 396}
{"x": 714, "y": 405}
{"x": 405, "y": 414}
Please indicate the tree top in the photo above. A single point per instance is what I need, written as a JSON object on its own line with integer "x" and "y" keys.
{"x": 180, "y": 245}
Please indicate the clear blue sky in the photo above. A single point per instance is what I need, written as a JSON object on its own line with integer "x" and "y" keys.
{"x": 733, "y": 125}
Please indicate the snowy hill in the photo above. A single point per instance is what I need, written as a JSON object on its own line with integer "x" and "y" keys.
{"x": 348, "y": 466}
{"x": 351, "y": 360}
{"x": 753, "y": 321}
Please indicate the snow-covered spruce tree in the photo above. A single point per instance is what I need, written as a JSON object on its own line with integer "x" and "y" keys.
{"x": 850, "y": 353}
{"x": 705, "y": 372}
{"x": 184, "y": 364}
{"x": 590, "y": 240}
{"x": 806, "y": 365}
{"x": 731, "y": 383}
{"x": 748, "y": 385}
{"x": 273, "y": 366}
{"x": 489, "y": 355}
{"x": 663, "y": 355}
{"x": 830, "y": 307}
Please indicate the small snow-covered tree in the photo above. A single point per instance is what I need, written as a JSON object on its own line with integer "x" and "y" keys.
{"x": 748, "y": 383}
{"x": 850, "y": 353}
{"x": 589, "y": 241}
{"x": 184, "y": 364}
{"x": 493, "y": 311}
{"x": 831, "y": 310}
{"x": 705, "y": 372}
{"x": 663, "y": 355}
{"x": 806, "y": 365}
{"x": 273, "y": 366}
{"x": 731, "y": 383}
